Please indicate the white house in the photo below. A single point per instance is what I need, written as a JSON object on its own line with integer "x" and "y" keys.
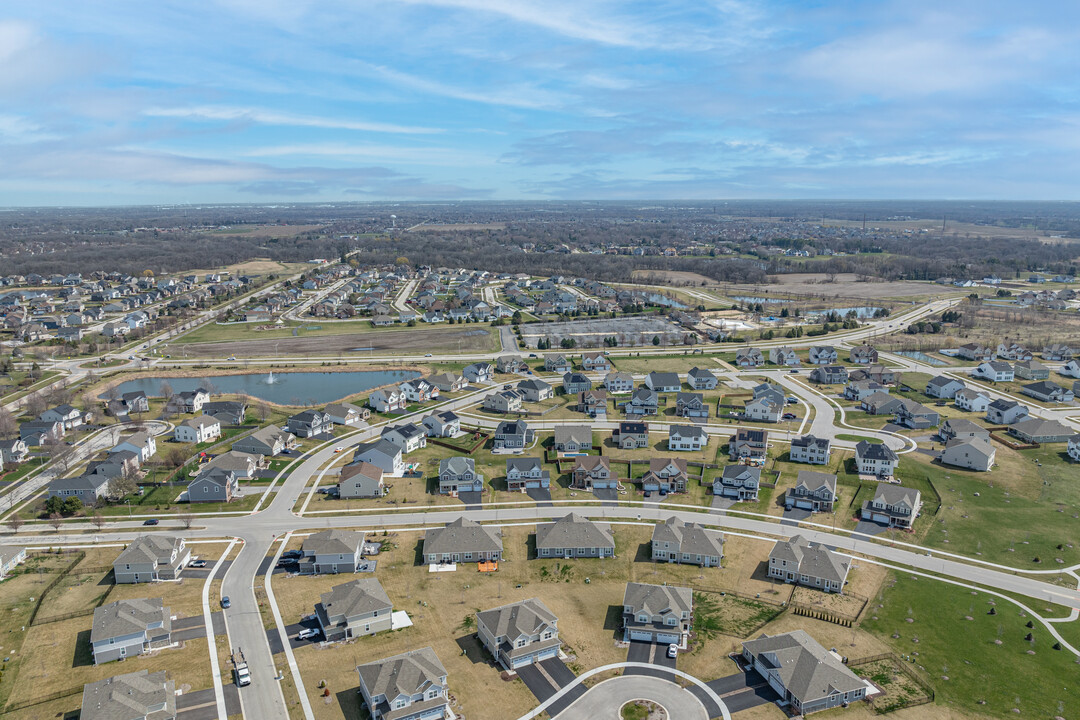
{"x": 687, "y": 438}
{"x": 197, "y": 430}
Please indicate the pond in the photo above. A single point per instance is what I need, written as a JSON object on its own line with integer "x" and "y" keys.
{"x": 922, "y": 357}
{"x": 664, "y": 301}
{"x": 860, "y": 312}
{"x": 290, "y": 388}
{"x": 751, "y": 299}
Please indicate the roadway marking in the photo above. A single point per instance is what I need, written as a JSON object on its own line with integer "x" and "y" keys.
{"x": 208, "y": 623}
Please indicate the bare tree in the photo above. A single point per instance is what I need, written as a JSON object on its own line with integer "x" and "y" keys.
{"x": 59, "y": 453}
{"x": 56, "y": 520}
{"x": 98, "y": 519}
{"x": 15, "y": 522}
{"x": 124, "y": 484}
{"x": 165, "y": 389}
{"x": 186, "y": 519}
{"x": 264, "y": 411}
{"x": 8, "y": 426}
{"x": 35, "y": 404}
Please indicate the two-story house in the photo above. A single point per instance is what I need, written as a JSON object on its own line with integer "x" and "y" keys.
{"x": 197, "y": 430}
{"x": 687, "y": 438}
{"x": 749, "y": 357}
{"x": 214, "y": 484}
{"x": 892, "y": 505}
{"x": 701, "y": 379}
{"x": 520, "y": 633}
{"x": 503, "y": 401}
{"x": 875, "y": 459}
{"x": 332, "y": 551}
{"x": 971, "y": 400}
{"x": 814, "y": 491}
{"x": 675, "y": 541}
{"x": 151, "y": 557}
{"x": 127, "y": 628}
{"x": 943, "y": 387}
{"x": 442, "y": 424}
{"x": 410, "y": 686}
{"x": 631, "y": 435}
{"x": 657, "y": 613}
{"x": 738, "y": 482}
{"x": 534, "y": 390}
{"x": 811, "y": 450}
{"x": 644, "y": 401}
{"x": 785, "y": 356}
{"x": 863, "y": 355}
{"x": 691, "y": 405}
{"x": 409, "y": 437}
{"x": 354, "y": 609}
{"x": 387, "y": 400}
{"x": 525, "y": 473}
{"x": 829, "y": 375}
{"x": 457, "y": 475}
{"x": 748, "y": 444}
{"x": 595, "y": 362}
{"x": 310, "y": 423}
{"x": 823, "y": 355}
{"x": 360, "y": 480}
{"x": 512, "y": 435}
{"x": 592, "y": 472}
{"x": 797, "y": 560}
{"x": 575, "y": 382}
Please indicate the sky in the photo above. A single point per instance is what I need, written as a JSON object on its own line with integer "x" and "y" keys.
{"x": 119, "y": 102}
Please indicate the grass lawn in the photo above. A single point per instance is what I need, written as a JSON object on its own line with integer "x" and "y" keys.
{"x": 678, "y": 363}
{"x": 958, "y": 639}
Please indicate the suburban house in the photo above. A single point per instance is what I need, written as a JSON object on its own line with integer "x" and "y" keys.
{"x": 13, "y": 451}
{"x": 387, "y": 400}
{"x": 618, "y": 383}
{"x": 686, "y": 438}
{"x": 462, "y": 540}
{"x": 418, "y": 390}
{"x": 573, "y": 438}
{"x": 512, "y": 435}
{"x": 749, "y": 357}
{"x": 963, "y": 429}
{"x": 892, "y": 505}
{"x": 187, "y": 401}
{"x": 410, "y": 686}
{"x": 701, "y": 379}
{"x": 347, "y": 414}
{"x": 1071, "y": 369}
{"x": 665, "y": 475}
{"x": 141, "y": 695}
{"x": 1058, "y": 352}
{"x": 11, "y": 556}
{"x": 354, "y": 609}
{"x": 457, "y": 475}
{"x": 69, "y": 417}
{"x": 970, "y": 453}
{"x": 227, "y": 412}
{"x": 480, "y": 372}
{"x": 360, "y": 480}
{"x": 524, "y": 473}
{"x": 557, "y": 363}
{"x": 332, "y": 551}
{"x": 1005, "y": 412}
{"x": 1031, "y": 370}
{"x": 784, "y": 356}
{"x": 814, "y": 491}
{"x": 88, "y": 487}
{"x": 663, "y": 381}
{"x": 860, "y": 389}
{"x": 875, "y": 459}
{"x": 810, "y": 449}
{"x": 675, "y": 541}
{"x": 748, "y": 444}
{"x": 829, "y": 375}
{"x": 643, "y": 402}
{"x": 994, "y": 371}
{"x": 535, "y": 390}
{"x": 310, "y": 423}
{"x": 943, "y": 387}
{"x": 510, "y": 364}
{"x": 738, "y": 482}
{"x": 880, "y": 403}
{"x": 1014, "y": 352}
{"x": 592, "y": 403}
{"x": 383, "y": 454}
{"x": 197, "y": 430}
{"x": 1047, "y": 391}
{"x": 877, "y": 373}
{"x": 656, "y": 613}
{"x": 691, "y": 405}
{"x": 975, "y": 352}
{"x": 806, "y": 676}
{"x": 592, "y": 472}
{"x": 408, "y": 437}
{"x": 971, "y": 400}
{"x": 127, "y": 628}
{"x": 823, "y": 355}
{"x": 573, "y": 536}
{"x": 448, "y": 382}
{"x": 520, "y": 633}
{"x": 268, "y": 441}
{"x": 575, "y": 382}
{"x": 1074, "y": 448}
{"x": 863, "y": 355}
{"x": 917, "y": 416}
{"x": 595, "y": 362}
{"x": 151, "y": 557}
{"x": 504, "y": 401}
{"x": 763, "y": 409}
{"x": 797, "y": 560}
{"x": 216, "y": 484}
{"x": 631, "y": 435}
{"x": 442, "y": 424}
{"x": 1036, "y": 430}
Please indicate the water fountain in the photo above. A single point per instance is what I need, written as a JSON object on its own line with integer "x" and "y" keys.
{"x": 270, "y": 378}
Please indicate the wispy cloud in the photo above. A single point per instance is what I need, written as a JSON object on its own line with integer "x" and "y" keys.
{"x": 269, "y": 117}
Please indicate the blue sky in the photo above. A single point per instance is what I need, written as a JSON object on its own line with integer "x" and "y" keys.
{"x": 118, "y": 102}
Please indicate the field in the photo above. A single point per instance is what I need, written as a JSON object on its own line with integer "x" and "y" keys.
{"x": 629, "y": 331}
{"x": 991, "y": 324}
{"x": 273, "y": 231}
{"x": 339, "y": 341}
{"x": 456, "y": 227}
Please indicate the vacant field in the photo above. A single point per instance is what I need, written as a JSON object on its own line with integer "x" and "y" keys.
{"x": 629, "y": 331}
{"x": 464, "y": 339}
{"x": 844, "y": 285}
{"x": 457, "y": 227}
{"x": 991, "y": 324}
{"x": 274, "y": 231}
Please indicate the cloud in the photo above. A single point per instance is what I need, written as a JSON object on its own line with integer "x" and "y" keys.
{"x": 446, "y": 156}
{"x": 270, "y": 117}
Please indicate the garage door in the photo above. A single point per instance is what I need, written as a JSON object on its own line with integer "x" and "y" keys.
{"x": 667, "y": 638}
{"x": 532, "y": 483}
{"x": 804, "y": 504}
{"x": 519, "y": 662}
{"x": 641, "y": 635}
{"x": 878, "y": 517}
{"x": 549, "y": 653}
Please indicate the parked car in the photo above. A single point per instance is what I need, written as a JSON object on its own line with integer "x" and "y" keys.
{"x": 293, "y": 554}
{"x": 339, "y": 448}
{"x": 151, "y": 521}
{"x": 672, "y": 650}
{"x": 307, "y": 633}
{"x": 790, "y": 416}
{"x": 792, "y": 400}
{"x": 198, "y": 563}
{"x": 225, "y": 602}
{"x": 427, "y": 355}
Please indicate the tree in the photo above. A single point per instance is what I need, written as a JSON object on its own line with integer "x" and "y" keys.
{"x": 98, "y": 519}
{"x": 56, "y": 520}
{"x": 123, "y": 484}
{"x": 8, "y": 426}
{"x": 71, "y": 506}
{"x": 186, "y": 519}
{"x": 15, "y": 522}
{"x": 655, "y": 339}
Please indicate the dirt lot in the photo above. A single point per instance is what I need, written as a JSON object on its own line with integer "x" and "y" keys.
{"x": 845, "y": 285}
{"x": 468, "y": 339}
{"x": 630, "y": 331}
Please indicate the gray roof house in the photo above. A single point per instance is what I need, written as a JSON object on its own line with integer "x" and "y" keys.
{"x": 915, "y": 415}
{"x": 11, "y": 556}
{"x": 310, "y": 423}
{"x": 643, "y": 402}
{"x": 140, "y": 695}
{"x": 1005, "y": 412}
{"x": 347, "y": 413}
{"x": 797, "y": 560}
{"x": 574, "y": 536}
{"x": 1037, "y": 430}
{"x": 575, "y": 382}
{"x": 665, "y": 475}
{"x": 880, "y": 403}
{"x": 13, "y": 451}
{"x": 127, "y": 628}
{"x": 805, "y": 675}
{"x": 749, "y": 357}
{"x": 592, "y": 472}
{"x": 573, "y": 438}
{"x": 462, "y": 540}
{"x": 829, "y": 375}
{"x": 1047, "y": 391}
{"x": 535, "y": 390}
{"x": 354, "y": 609}
{"x": 89, "y": 488}
{"x": 688, "y": 404}
{"x": 360, "y": 480}
{"x": 971, "y": 400}
{"x": 675, "y": 541}
{"x": 892, "y": 505}
{"x": 244, "y": 465}
{"x": 686, "y": 438}
{"x": 410, "y": 686}
{"x": 663, "y": 381}
{"x": 739, "y": 482}
{"x": 823, "y": 355}
{"x": 813, "y": 491}
{"x": 383, "y": 454}
{"x": 458, "y": 474}
{"x": 448, "y": 382}
{"x": 332, "y": 551}
{"x": 943, "y": 387}
{"x": 268, "y": 441}
{"x": 226, "y": 412}
{"x": 970, "y": 453}
{"x": 810, "y": 449}
{"x": 524, "y": 473}
{"x": 748, "y": 444}
{"x": 557, "y": 363}
{"x": 512, "y": 434}
{"x": 216, "y": 484}
{"x": 875, "y": 459}
{"x": 962, "y": 428}
{"x": 701, "y": 379}
{"x": 656, "y": 613}
{"x": 630, "y": 435}
{"x": 442, "y": 424}
{"x": 520, "y": 633}
{"x": 151, "y": 557}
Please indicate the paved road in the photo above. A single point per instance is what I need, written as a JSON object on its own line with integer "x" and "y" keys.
{"x": 602, "y": 699}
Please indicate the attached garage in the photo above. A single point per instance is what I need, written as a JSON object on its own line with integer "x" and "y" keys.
{"x": 880, "y": 518}
{"x": 804, "y": 504}
{"x": 641, "y": 635}
{"x": 530, "y": 484}
{"x": 667, "y": 638}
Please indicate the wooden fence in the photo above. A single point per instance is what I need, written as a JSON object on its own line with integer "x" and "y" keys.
{"x": 906, "y": 668}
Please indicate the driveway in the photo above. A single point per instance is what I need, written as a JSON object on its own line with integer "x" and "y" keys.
{"x": 203, "y": 573}
{"x": 274, "y": 638}
{"x": 542, "y": 496}
{"x": 867, "y": 527}
{"x": 546, "y": 678}
{"x": 652, "y": 653}
{"x": 202, "y": 705}
{"x": 608, "y": 494}
{"x": 190, "y": 628}
{"x": 795, "y": 515}
{"x": 719, "y": 502}
{"x": 472, "y": 499}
